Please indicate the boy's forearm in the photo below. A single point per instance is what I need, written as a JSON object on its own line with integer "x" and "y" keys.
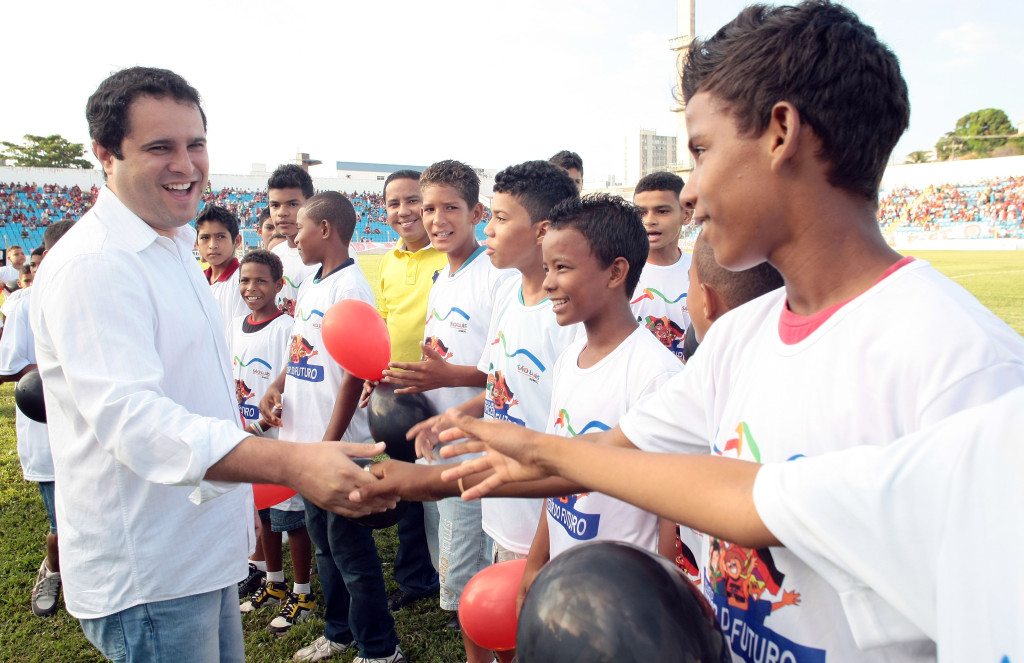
{"x": 467, "y": 376}
{"x": 718, "y": 496}
{"x": 344, "y": 406}
{"x": 474, "y": 407}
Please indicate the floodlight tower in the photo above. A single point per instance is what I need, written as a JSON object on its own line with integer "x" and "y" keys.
{"x": 680, "y": 46}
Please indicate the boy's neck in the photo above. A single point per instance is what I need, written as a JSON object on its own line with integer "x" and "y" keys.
{"x": 841, "y": 258}
{"x": 291, "y": 241}
{"x": 334, "y": 258}
{"x": 665, "y": 256}
{"x": 264, "y": 313}
{"x": 418, "y": 245}
{"x": 533, "y": 286}
{"x": 607, "y": 331}
{"x": 217, "y": 271}
{"x": 458, "y": 257}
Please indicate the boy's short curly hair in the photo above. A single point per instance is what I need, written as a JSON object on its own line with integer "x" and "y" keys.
{"x": 566, "y": 159}
{"x": 611, "y": 226}
{"x": 456, "y": 175}
{"x": 821, "y": 58}
{"x": 268, "y": 258}
{"x": 290, "y": 176}
{"x": 661, "y": 181}
{"x": 221, "y": 215}
{"x": 537, "y": 185}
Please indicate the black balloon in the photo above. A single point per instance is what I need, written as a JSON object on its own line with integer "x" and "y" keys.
{"x": 391, "y": 416}
{"x": 28, "y": 396}
{"x": 384, "y": 518}
{"x": 611, "y": 602}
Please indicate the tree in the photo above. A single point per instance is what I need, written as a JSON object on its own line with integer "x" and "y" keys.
{"x": 977, "y": 133}
{"x": 45, "y": 152}
{"x": 920, "y": 156}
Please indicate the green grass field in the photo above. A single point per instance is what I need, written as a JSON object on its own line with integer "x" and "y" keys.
{"x": 994, "y": 277}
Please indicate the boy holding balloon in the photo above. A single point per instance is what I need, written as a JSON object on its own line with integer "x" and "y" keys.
{"x": 314, "y": 398}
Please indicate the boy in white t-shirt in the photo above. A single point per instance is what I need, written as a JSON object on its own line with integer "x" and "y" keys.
{"x": 217, "y": 239}
{"x": 18, "y": 357}
{"x": 314, "y": 398}
{"x": 258, "y": 344}
{"x": 458, "y": 312}
{"x": 789, "y": 153}
{"x": 659, "y": 302}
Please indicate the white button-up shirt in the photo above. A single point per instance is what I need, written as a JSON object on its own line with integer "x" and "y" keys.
{"x": 140, "y": 403}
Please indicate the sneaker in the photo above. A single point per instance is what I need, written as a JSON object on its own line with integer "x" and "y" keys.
{"x": 252, "y": 582}
{"x": 45, "y": 593}
{"x": 320, "y": 649}
{"x": 454, "y": 624}
{"x": 269, "y": 593}
{"x": 397, "y": 657}
{"x": 398, "y": 599}
{"x": 297, "y": 608}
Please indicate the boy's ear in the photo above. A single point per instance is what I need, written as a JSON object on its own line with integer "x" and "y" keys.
{"x": 617, "y": 272}
{"x": 784, "y": 133}
{"x": 278, "y": 285}
{"x": 238, "y": 240}
{"x": 714, "y": 307}
{"x": 478, "y": 212}
{"x": 541, "y": 229}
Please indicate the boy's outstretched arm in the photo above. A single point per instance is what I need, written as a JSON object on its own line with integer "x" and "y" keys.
{"x": 433, "y": 372}
{"x": 344, "y": 406}
{"x": 718, "y": 496}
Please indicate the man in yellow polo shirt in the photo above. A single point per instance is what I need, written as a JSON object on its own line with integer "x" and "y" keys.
{"x": 406, "y": 274}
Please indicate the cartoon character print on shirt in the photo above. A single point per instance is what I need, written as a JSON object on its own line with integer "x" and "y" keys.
{"x": 438, "y": 346}
{"x": 498, "y": 398}
{"x": 666, "y": 331}
{"x": 300, "y": 351}
{"x": 745, "y": 586}
{"x": 243, "y": 393}
{"x": 686, "y": 560}
{"x": 287, "y": 306}
{"x": 566, "y": 511}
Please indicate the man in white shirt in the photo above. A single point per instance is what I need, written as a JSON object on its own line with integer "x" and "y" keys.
{"x": 147, "y": 441}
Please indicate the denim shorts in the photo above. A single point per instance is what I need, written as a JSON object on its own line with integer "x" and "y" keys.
{"x": 283, "y": 521}
{"x": 46, "y": 490}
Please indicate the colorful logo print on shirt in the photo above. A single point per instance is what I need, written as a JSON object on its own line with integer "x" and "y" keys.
{"x": 580, "y": 526}
{"x": 666, "y": 331}
{"x": 562, "y": 423}
{"x": 655, "y": 295}
{"x": 300, "y": 351}
{"x": 459, "y": 321}
{"x": 531, "y": 368}
{"x": 734, "y": 447}
{"x": 243, "y": 393}
{"x": 745, "y": 587}
{"x": 499, "y": 399}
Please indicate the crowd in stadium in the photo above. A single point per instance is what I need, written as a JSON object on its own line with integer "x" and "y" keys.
{"x": 26, "y": 209}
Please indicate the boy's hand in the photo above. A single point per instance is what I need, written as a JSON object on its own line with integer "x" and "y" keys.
{"x": 415, "y": 376}
{"x": 326, "y": 475}
{"x": 512, "y": 451}
{"x": 407, "y": 481}
{"x": 368, "y": 387}
{"x": 425, "y": 435}
{"x": 270, "y": 406}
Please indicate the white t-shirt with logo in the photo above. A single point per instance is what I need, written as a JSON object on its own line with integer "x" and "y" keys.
{"x": 914, "y": 535}
{"x": 909, "y": 351}
{"x": 257, "y": 358}
{"x": 313, "y": 377}
{"x": 587, "y": 400}
{"x": 458, "y": 315}
{"x": 523, "y": 344}
{"x": 295, "y": 273}
{"x": 659, "y": 302}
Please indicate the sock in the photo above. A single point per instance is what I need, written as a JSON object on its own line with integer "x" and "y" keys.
{"x": 275, "y": 576}
{"x": 259, "y": 564}
{"x": 300, "y": 589}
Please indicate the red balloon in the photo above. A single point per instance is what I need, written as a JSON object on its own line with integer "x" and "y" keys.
{"x": 357, "y": 338}
{"x": 487, "y": 608}
{"x": 267, "y": 495}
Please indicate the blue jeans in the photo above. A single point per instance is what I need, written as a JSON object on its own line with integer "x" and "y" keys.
{"x": 202, "y": 628}
{"x": 462, "y": 547}
{"x": 414, "y": 572}
{"x": 355, "y": 601}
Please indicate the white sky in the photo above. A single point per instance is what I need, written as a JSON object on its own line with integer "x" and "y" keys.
{"x": 412, "y": 82}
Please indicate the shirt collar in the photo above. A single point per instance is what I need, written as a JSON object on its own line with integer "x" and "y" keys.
{"x": 133, "y": 232}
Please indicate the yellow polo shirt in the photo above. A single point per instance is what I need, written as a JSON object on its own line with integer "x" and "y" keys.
{"x": 405, "y": 280}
